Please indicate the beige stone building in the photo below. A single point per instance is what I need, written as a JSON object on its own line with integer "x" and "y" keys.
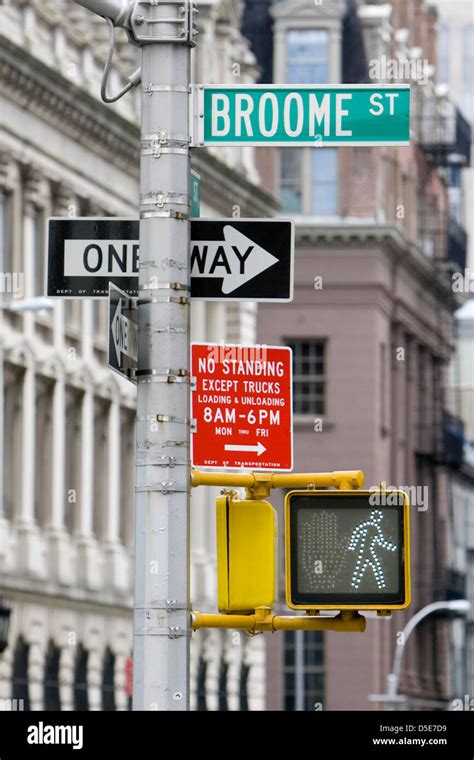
{"x": 67, "y": 432}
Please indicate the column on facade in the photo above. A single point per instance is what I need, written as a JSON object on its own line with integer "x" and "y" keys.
{"x": 66, "y": 677}
{"x": 212, "y": 655}
{"x": 121, "y": 698}
{"x": 64, "y": 201}
{"x": 33, "y": 188}
{"x": 233, "y": 653}
{"x": 255, "y": 659}
{"x": 94, "y": 679}
{"x": 6, "y": 185}
{"x": 116, "y": 573}
{"x": 28, "y": 557}
{"x": 59, "y": 549}
{"x": 36, "y": 666}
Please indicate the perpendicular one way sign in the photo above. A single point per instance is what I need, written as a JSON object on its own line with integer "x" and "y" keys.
{"x": 241, "y": 406}
{"x": 301, "y": 114}
{"x": 123, "y": 333}
{"x": 230, "y": 259}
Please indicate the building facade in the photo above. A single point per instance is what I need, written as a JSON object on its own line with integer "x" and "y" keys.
{"x": 371, "y": 328}
{"x": 67, "y": 423}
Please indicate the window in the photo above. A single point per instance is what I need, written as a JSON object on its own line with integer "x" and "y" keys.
{"x": 44, "y": 445}
{"x": 20, "y": 687}
{"x": 52, "y": 699}
{"x": 127, "y": 473}
{"x": 101, "y": 419}
{"x": 12, "y": 437}
{"x": 222, "y": 689}
{"x": 291, "y": 180}
{"x": 81, "y": 697}
{"x": 201, "y": 685}
{"x": 309, "y": 381}
{"x": 443, "y": 54}
{"x": 307, "y": 56}
{"x": 467, "y": 68}
{"x": 303, "y": 670}
{"x": 6, "y": 243}
{"x": 243, "y": 688}
{"x": 324, "y": 180}
{"x": 74, "y": 400}
{"x": 309, "y": 181}
{"x": 38, "y": 252}
{"x": 108, "y": 682}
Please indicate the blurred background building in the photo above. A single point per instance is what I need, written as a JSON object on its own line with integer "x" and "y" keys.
{"x": 380, "y": 233}
{"x": 67, "y": 426}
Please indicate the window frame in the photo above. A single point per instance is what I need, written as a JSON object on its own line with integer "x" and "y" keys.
{"x": 300, "y": 378}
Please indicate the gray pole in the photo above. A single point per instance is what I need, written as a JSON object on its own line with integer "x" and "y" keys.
{"x": 162, "y": 615}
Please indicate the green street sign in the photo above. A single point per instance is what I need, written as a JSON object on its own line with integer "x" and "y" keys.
{"x": 319, "y": 115}
{"x": 195, "y": 194}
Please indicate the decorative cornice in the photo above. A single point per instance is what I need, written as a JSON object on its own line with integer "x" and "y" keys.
{"x": 351, "y": 236}
{"x": 41, "y": 90}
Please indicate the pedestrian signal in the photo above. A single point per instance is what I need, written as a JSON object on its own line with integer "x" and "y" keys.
{"x": 347, "y": 550}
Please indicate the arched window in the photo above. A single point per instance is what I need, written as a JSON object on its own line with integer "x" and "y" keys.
{"x": 81, "y": 697}
{"x": 52, "y": 699}
{"x": 243, "y": 696}
{"x": 201, "y": 685}
{"x": 222, "y": 695}
{"x": 20, "y": 689}
{"x": 108, "y": 685}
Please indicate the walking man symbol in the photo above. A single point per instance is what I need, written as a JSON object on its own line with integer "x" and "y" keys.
{"x": 369, "y": 536}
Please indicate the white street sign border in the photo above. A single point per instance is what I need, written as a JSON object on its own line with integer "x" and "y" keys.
{"x": 224, "y": 345}
{"x": 197, "y": 122}
{"x": 224, "y": 220}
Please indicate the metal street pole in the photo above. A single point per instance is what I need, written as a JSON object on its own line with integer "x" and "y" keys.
{"x": 392, "y": 698}
{"x": 162, "y": 615}
{"x": 161, "y": 647}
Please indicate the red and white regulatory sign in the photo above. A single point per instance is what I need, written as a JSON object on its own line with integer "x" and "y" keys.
{"x": 241, "y": 406}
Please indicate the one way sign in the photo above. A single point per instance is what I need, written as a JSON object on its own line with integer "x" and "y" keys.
{"x": 242, "y": 259}
{"x": 123, "y": 333}
{"x": 230, "y": 259}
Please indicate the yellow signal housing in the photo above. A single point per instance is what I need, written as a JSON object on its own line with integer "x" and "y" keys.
{"x": 247, "y": 533}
